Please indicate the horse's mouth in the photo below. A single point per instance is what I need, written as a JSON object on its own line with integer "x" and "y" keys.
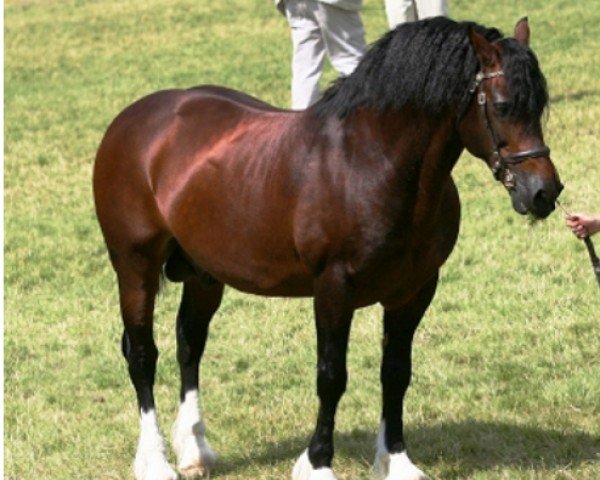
{"x": 518, "y": 204}
{"x": 539, "y": 207}
{"x": 535, "y": 213}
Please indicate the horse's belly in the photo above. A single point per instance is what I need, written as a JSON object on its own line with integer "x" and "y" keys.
{"x": 255, "y": 263}
{"x": 289, "y": 285}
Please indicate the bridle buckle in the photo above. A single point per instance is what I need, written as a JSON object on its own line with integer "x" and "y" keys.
{"x": 509, "y": 179}
{"x": 497, "y": 168}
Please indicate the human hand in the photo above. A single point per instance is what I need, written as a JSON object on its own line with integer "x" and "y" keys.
{"x": 583, "y": 225}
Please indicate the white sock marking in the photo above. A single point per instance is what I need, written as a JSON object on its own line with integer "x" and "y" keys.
{"x": 151, "y": 457}
{"x": 395, "y": 466}
{"x": 194, "y": 456}
{"x": 303, "y": 470}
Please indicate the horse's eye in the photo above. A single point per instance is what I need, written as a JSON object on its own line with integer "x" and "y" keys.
{"x": 502, "y": 109}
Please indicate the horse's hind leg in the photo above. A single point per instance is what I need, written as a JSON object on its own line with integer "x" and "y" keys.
{"x": 199, "y": 302}
{"x": 138, "y": 276}
{"x": 392, "y": 461}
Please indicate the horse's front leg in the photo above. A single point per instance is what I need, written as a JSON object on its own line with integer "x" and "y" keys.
{"x": 334, "y": 307}
{"x": 392, "y": 461}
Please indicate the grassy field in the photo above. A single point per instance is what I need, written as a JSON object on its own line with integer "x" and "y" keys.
{"x": 507, "y": 363}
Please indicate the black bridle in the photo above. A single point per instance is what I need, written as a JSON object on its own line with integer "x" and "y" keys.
{"x": 500, "y": 164}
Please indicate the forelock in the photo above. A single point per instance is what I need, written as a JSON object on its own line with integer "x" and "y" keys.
{"x": 526, "y": 83}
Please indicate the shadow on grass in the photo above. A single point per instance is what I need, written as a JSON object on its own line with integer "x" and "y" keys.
{"x": 466, "y": 447}
{"x": 456, "y": 450}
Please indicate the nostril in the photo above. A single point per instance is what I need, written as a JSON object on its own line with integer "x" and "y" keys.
{"x": 541, "y": 196}
{"x": 543, "y": 203}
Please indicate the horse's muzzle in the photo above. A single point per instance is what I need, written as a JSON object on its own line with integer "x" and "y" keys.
{"x": 536, "y": 195}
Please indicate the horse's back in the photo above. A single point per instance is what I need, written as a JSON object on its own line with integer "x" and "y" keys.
{"x": 166, "y": 126}
{"x": 150, "y": 116}
{"x": 243, "y": 100}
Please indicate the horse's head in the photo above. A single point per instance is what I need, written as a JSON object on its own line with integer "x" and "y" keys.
{"x": 503, "y": 123}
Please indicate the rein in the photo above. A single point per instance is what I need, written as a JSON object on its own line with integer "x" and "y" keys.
{"x": 501, "y": 163}
{"x": 589, "y": 245}
{"x": 593, "y": 257}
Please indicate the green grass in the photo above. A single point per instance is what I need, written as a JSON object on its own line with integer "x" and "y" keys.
{"x": 507, "y": 377}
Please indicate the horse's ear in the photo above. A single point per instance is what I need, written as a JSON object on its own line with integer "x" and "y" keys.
{"x": 522, "y": 31}
{"x": 484, "y": 50}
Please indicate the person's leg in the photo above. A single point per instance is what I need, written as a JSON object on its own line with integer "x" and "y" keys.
{"x": 400, "y": 11}
{"x": 344, "y": 37}
{"x": 308, "y": 52}
{"x": 432, "y": 8}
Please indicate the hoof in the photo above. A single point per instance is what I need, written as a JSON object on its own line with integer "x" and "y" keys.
{"x": 194, "y": 471}
{"x": 394, "y": 466}
{"x": 196, "y": 459}
{"x": 397, "y": 467}
{"x": 153, "y": 465}
{"x": 303, "y": 470}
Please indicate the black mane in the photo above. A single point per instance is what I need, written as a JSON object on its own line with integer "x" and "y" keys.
{"x": 431, "y": 64}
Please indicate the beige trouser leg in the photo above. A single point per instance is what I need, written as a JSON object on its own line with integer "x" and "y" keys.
{"x": 318, "y": 29}
{"x": 401, "y": 11}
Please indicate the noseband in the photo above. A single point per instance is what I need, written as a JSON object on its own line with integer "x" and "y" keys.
{"x": 501, "y": 163}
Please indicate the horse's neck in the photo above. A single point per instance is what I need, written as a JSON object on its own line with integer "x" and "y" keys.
{"x": 406, "y": 159}
{"x": 412, "y": 136}
{"x": 436, "y": 167}
{"x": 423, "y": 152}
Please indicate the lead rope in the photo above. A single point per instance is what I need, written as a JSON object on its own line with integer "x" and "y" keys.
{"x": 590, "y": 247}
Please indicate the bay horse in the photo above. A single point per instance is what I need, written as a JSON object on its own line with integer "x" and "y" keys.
{"x": 350, "y": 202}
